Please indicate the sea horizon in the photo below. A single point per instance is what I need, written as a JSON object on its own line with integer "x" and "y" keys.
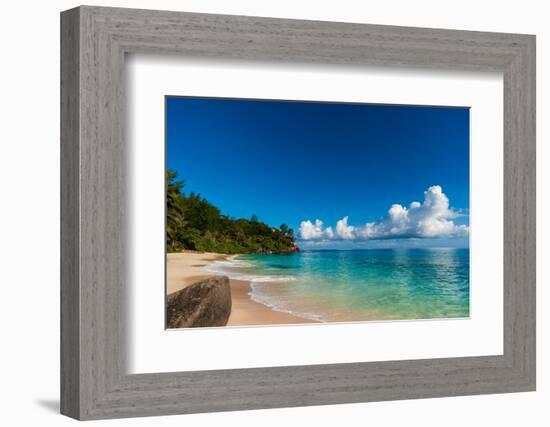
{"x": 397, "y": 248}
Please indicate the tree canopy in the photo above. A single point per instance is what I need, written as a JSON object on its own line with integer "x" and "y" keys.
{"x": 194, "y": 223}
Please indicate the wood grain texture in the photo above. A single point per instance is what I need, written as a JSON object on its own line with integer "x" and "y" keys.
{"x": 95, "y": 383}
{"x": 70, "y": 297}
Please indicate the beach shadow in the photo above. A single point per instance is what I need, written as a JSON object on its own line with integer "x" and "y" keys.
{"x": 51, "y": 405}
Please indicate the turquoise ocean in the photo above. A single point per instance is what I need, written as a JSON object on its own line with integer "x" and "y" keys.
{"x": 358, "y": 285}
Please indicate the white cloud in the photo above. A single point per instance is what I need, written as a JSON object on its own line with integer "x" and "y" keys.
{"x": 315, "y": 231}
{"x": 431, "y": 218}
{"x": 343, "y": 230}
{"x": 310, "y": 231}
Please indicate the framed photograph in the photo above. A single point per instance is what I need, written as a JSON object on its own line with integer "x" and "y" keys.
{"x": 262, "y": 213}
{"x": 256, "y": 257}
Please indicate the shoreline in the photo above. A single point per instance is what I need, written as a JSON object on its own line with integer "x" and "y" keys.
{"x": 185, "y": 268}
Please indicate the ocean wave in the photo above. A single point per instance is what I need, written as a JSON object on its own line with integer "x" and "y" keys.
{"x": 232, "y": 267}
{"x": 259, "y": 283}
{"x": 233, "y": 262}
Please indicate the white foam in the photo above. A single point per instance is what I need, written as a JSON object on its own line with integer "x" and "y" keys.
{"x": 232, "y": 266}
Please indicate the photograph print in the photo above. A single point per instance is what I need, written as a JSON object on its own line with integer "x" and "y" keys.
{"x": 299, "y": 212}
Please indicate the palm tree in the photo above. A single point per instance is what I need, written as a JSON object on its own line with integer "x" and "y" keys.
{"x": 175, "y": 218}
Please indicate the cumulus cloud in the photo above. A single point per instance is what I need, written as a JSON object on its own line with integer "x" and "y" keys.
{"x": 315, "y": 231}
{"x": 343, "y": 230}
{"x": 432, "y": 218}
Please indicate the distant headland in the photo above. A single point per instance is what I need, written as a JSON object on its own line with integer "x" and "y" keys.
{"x": 193, "y": 223}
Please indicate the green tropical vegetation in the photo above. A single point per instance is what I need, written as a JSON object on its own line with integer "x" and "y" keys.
{"x": 194, "y": 223}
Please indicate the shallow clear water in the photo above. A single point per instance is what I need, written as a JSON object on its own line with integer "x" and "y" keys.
{"x": 359, "y": 285}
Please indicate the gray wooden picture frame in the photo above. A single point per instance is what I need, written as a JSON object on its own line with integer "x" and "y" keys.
{"x": 94, "y": 381}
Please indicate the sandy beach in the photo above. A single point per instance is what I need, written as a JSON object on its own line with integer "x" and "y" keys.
{"x": 186, "y": 268}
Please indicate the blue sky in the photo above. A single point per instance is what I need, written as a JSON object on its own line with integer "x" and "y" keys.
{"x": 311, "y": 163}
